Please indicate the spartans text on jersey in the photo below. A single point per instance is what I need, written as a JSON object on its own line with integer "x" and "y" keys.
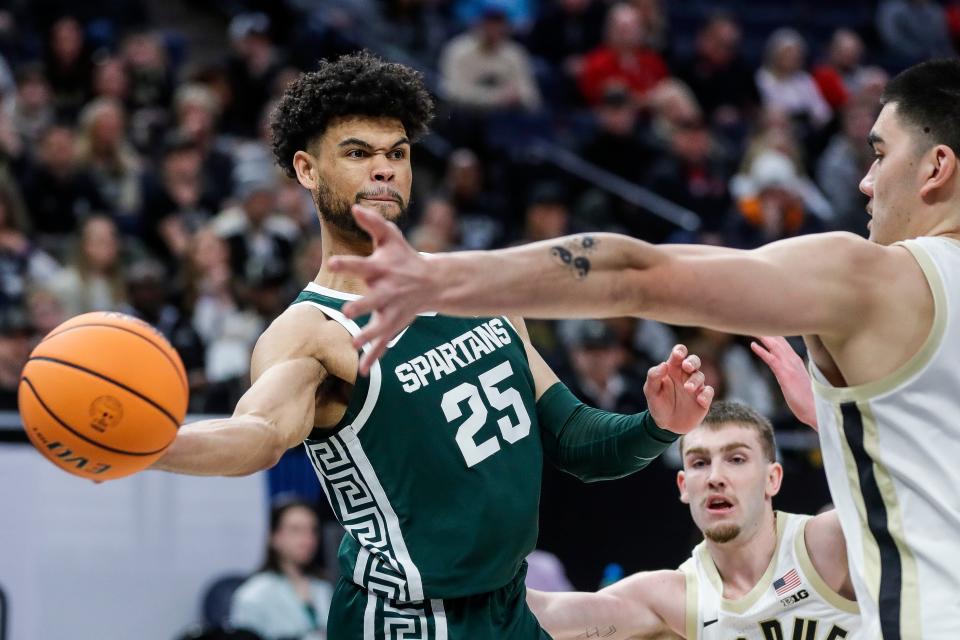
{"x": 446, "y": 358}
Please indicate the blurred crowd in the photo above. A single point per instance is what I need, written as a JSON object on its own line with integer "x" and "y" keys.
{"x": 136, "y": 173}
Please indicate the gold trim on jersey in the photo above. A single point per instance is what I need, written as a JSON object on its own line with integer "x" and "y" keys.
{"x": 909, "y": 578}
{"x": 871, "y": 550}
{"x": 815, "y": 579}
{"x": 919, "y": 360}
{"x": 742, "y": 605}
{"x": 692, "y": 600}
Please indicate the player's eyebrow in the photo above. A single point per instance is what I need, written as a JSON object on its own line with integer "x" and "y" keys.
{"x": 874, "y": 139}
{"x": 363, "y": 144}
{"x": 355, "y": 142}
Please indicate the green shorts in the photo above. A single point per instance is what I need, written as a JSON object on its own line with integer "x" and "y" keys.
{"x": 499, "y": 615}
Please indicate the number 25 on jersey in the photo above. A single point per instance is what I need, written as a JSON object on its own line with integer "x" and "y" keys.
{"x": 500, "y": 400}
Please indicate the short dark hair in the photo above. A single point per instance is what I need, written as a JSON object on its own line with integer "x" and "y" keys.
{"x": 723, "y": 413}
{"x": 353, "y": 85}
{"x": 927, "y": 97}
{"x": 278, "y": 509}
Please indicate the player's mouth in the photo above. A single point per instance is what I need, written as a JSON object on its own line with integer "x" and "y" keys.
{"x": 719, "y": 505}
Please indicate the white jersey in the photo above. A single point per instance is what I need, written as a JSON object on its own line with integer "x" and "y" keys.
{"x": 891, "y": 450}
{"x": 791, "y": 600}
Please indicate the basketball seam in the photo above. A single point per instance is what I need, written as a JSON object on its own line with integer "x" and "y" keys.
{"x": 111, "y": 381}
{"x": 80, "y": 435}
{"x": 134, "y": 333}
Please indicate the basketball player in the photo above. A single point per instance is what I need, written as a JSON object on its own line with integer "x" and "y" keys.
{"x": 433, "y": 462}
{"x": 880, "y": 320}
{"x": 759, "y": 574}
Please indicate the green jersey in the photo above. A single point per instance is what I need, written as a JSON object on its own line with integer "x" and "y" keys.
{"x": 435, "y": 469}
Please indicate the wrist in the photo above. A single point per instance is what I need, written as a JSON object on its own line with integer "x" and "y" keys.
{"x": 663, "y": 434}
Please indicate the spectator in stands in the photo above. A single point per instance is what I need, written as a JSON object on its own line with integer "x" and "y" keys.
{"x": 840, "y": 76}
{"x": 482, "y": 213}
{"x": 693, "y": 172}
{"x": 58, "y": 193}
{"x": 622, "y": 59}
{"x": 601, "y": 377}
{"x": 21, "y": 262}
{"x": 110, "y": 79}
{"x": 148, "y": 69}
{"x": 286, "y": 599}
{"x": 769, "y": 203}
{"x": 15, "y": 344}
{"x": 618, "y": 145}
{"x": 251, "y": 70}
{"x": 718, "y": 76}
{"x": 174, "y": 203}
{"x": 417, "y": 27}
{"x": 484, "y": 69}
{"x": 564, "y": 33}
{"x": 196, "y": 111}
{"x": 33, "y": 106}
{"x": 547, "y": 214}
{"x": 846, "y": 160}
{"x": 260, "y": 241}
{"x": 784, "y": 83}
{"x": 726, "y": 362}
{"x": 68, "y": 66}
{"x": 657, "y": 21}
{"x": 229, "y": 331}
{"x": 93, "y": 278}
{"x": 914, "y": 30}
{"x": 44, "y": 309}
{"x": 149, "y": 298}
{"x": 438, "y": 228}
{"x": 104, "y": 151}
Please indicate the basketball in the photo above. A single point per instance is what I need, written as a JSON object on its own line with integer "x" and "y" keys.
{"x": 102, "y": 395}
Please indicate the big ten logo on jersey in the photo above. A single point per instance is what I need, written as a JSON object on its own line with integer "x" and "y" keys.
{"x": 794, "y": 598}
{"x": 800, "y": 629}
{"x": 444, "y": 359}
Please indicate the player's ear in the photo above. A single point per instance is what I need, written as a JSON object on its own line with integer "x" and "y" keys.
{"x": 774, "y": 479}
{"x": 305, "y": 167}
{"x": 939, "y": 167}
{"x": 682, "y": 485}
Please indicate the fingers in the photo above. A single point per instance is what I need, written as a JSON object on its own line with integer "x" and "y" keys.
{"x": 677, "y": 354}
{"x": 691, "y": 363}
{"x": 705, "y": 397}
{"x": 361, "y": 307}
{"x": 655, "y": 378}
{"x": 373, "y": 223}
{"x": 694, "y": 382}
{"x": 762, "y": 353}
{"x": 371, "y": 354}
{"x": 361, "y": 266}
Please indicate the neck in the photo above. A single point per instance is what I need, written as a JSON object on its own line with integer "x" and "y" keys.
{"x": 743, "y": 561}
{"x": 291, "y": 570}
{"x": 335, "y": 244}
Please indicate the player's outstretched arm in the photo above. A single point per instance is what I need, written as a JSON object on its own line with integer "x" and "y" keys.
{"x": 592, "y": 444}
{"x": 792, "y": 376}
{"x": 644, "y": 605}
{"x": 822, "y": 284}
{"x": 276, "y": 413}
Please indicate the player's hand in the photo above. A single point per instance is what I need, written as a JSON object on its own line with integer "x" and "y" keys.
{"x": 676, "y": 396}
{"x": 791, "y": 374}
{"x": 400, "y": 285}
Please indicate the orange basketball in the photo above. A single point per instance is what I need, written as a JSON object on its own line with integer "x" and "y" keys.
{"x": 102, "y": 396}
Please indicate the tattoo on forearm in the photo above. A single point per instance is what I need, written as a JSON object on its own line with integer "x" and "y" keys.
{"x": 598, "y": 632}
{"x": 573, "y": 254}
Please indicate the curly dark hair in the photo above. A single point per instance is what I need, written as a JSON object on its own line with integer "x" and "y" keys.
{"x": 353, "y": 85}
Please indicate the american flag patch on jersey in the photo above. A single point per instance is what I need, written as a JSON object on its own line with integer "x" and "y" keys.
{"x": 789, "y": 581}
